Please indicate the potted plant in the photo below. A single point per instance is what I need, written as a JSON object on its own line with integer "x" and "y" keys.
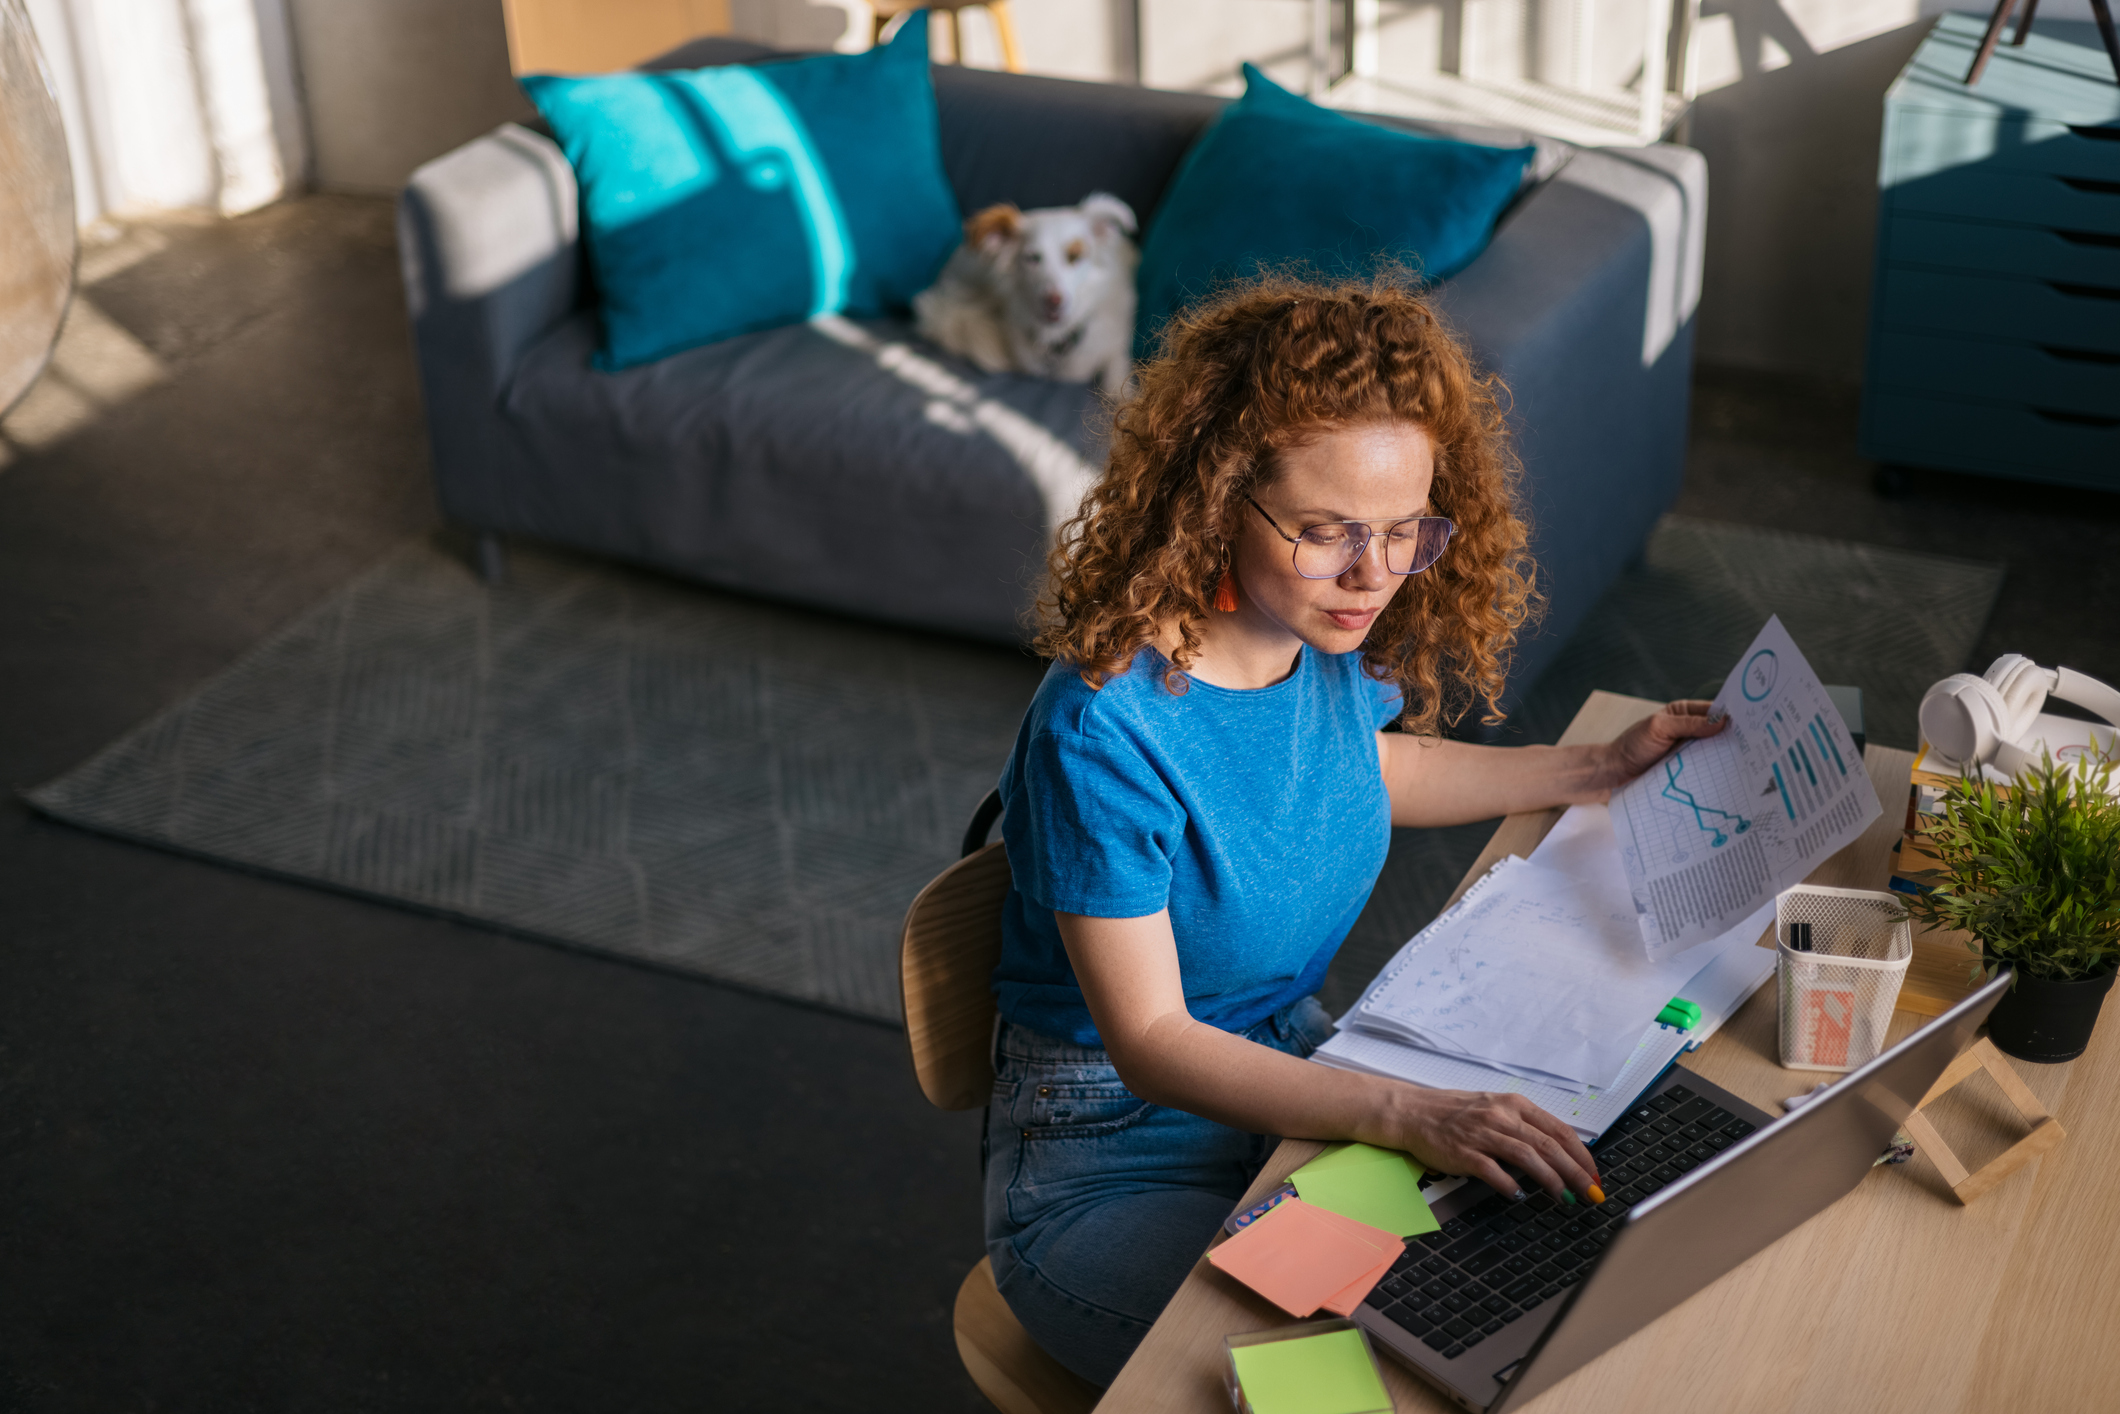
{"x": 2032, "y": 873}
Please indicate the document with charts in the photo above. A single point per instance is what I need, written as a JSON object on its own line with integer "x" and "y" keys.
{"x": 1723, "y": 824}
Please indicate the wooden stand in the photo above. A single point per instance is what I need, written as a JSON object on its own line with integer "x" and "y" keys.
{"x": 2099, "y": 11}
{"x": 2045, "y": 1133}
{"x": 1004, "y": 31}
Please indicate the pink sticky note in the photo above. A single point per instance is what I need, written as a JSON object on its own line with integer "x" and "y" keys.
{"x": 1376, "y": 1237}
{"x": 1388, "y": 1248}
{"x": 1343, "y": 1302}
{"x": 1300, "y": 1256}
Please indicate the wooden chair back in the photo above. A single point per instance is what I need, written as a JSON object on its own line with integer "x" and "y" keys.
{"x": 946, "y": 959}
{"x": 886, "y": 11}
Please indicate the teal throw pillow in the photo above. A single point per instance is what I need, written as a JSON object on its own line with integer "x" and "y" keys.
{"x": 717, "y": 201}
{"x": 1278, "y": 181}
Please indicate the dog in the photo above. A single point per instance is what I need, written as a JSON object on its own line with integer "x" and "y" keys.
{"x": 1048, "y": 292}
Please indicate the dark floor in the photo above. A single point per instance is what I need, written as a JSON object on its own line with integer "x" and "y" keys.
{"x": 1781, "y": 453}
{"x": 266, "y": 1148}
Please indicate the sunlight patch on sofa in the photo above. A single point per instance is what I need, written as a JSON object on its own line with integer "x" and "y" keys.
{"x": 1061, "y": 476}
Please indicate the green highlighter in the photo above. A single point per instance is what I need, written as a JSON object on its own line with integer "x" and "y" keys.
{"x": 1679, "y": 1014}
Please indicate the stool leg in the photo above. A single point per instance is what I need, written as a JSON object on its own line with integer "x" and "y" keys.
{"x": 489, "y": 558}
{"x": 1005, "y": 31}
{"x": 957, "y": 37}
{"x": 2024, "y": 22}
{"x": 2103, "y": 13}
{"x": 1987, "y": 41}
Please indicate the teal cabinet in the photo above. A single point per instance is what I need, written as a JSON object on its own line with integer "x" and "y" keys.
{"x": 1995, "y": 316}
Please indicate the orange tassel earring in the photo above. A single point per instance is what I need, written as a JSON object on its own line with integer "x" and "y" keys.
{"x": 1226, "y": 592}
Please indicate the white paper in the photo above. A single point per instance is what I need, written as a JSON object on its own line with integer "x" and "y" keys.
{"x": 1590, "y": 1112}
{"x": 1723, "y": 824}
{"x": 1535, "y": 971}
{"x": 1731, "y": 975}
{"x": 1581, "y": 845}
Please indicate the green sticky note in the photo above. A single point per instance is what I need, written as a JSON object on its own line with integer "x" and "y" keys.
{"x": 1381, "y": 1187}
{"x": 1314, "y": 1374}
{"x": 1348, "y": 1155}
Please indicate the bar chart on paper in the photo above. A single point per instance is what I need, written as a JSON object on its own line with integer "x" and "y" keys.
{"x": 1810, "y": 766}
{"x": 1718, "y": 826}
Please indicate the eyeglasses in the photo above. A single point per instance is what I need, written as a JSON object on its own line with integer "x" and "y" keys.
{"x": 1330, "y": 550}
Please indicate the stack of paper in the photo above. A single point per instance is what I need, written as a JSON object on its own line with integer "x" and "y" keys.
{"x": 1719, "y": 988}
{"x": 1552, "y": 971}
{"x": 1539, "y": 971}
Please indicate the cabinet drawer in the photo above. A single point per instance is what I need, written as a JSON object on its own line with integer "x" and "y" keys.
{"x": 1920, "y": 144}
{"x": 1993, "y": 439}
{"x": 2000, "y": 308}
{"x": 1941, "y": 366}
{"x": 2086, "y": 257}
{"x": 2064, "y": 203}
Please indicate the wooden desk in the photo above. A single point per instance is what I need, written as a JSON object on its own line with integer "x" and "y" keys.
{"x": 1895, "y": 1298}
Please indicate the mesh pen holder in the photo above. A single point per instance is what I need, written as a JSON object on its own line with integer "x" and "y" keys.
{"x": 1837, "y": 999}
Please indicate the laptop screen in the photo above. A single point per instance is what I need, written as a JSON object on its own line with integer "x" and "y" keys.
{"x": 1767, "y": 1185}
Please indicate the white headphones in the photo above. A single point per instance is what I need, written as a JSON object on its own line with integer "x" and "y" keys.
{"x": 1975, "y": 721}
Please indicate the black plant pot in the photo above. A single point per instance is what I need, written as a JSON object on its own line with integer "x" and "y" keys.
{"x": 2048, "y": 1022}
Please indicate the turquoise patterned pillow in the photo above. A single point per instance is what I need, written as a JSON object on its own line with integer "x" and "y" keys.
{"x": 717, "y": 201}
{"x": 1278, "y": 181}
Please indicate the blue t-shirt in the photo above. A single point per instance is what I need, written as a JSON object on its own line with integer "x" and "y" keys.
{"x": 1258, "y": 818}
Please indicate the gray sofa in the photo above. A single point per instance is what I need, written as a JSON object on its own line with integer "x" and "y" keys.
{"x": 850, "y": 466}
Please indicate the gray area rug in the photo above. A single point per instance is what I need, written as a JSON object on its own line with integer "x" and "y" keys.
{"x": 752, "y": 793}
{"x": 591, "y": 756}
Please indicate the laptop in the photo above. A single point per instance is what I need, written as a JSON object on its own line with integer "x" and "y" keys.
{"x": 1511, "y": 1297}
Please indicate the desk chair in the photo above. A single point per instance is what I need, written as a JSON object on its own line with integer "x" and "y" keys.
{"x": 946, "y": 963}
{"x": 888, "y": 11}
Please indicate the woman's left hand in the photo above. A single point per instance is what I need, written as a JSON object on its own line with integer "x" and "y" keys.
{"x": 1653, "y": 738}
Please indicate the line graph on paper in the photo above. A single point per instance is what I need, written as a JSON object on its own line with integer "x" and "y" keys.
{"x": 1700, "y": 807}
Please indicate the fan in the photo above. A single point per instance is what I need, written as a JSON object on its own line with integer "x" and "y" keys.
{"x": 37, "y": 239}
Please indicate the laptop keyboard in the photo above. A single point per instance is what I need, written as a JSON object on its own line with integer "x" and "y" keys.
{"x": 1489, "y": 1265}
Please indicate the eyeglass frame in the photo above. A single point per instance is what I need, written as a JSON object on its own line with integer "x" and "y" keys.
{"x": 1367, "y": 535}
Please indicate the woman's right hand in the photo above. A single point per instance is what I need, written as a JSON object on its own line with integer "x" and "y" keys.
{"x": 1476, "y": 1133}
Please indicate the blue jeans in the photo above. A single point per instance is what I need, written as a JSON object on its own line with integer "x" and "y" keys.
{"x": 1097, "y": 1202}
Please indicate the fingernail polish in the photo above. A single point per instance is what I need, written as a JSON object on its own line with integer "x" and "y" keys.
{"x": 1597, "y": 1194}
{"x": 1567, "y": 1196}
{"x": 1519, "y": 1196}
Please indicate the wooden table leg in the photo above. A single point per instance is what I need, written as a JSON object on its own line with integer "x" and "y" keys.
{"x": 2024, "y": 23}
{"x": 2000, "y": 18}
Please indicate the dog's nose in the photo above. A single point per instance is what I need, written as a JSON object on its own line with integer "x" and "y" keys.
{"x": 1053, "y": 300}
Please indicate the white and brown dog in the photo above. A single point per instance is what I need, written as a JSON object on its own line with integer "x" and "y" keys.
{"x": 1048, "y": 292}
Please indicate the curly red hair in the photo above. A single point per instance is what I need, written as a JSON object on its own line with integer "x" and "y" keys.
{"x": 1237, "y": 382}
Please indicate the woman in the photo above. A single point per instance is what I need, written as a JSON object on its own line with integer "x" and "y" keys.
{"x": 1305, "y": 532}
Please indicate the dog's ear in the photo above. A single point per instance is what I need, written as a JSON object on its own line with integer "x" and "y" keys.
{"x": 989, "y": 229}
{"x": 1108, "y": 214}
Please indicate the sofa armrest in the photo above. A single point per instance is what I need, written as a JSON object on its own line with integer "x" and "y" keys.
{"x": 1586, "y": 228}
{"x": 488, "y": 237}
